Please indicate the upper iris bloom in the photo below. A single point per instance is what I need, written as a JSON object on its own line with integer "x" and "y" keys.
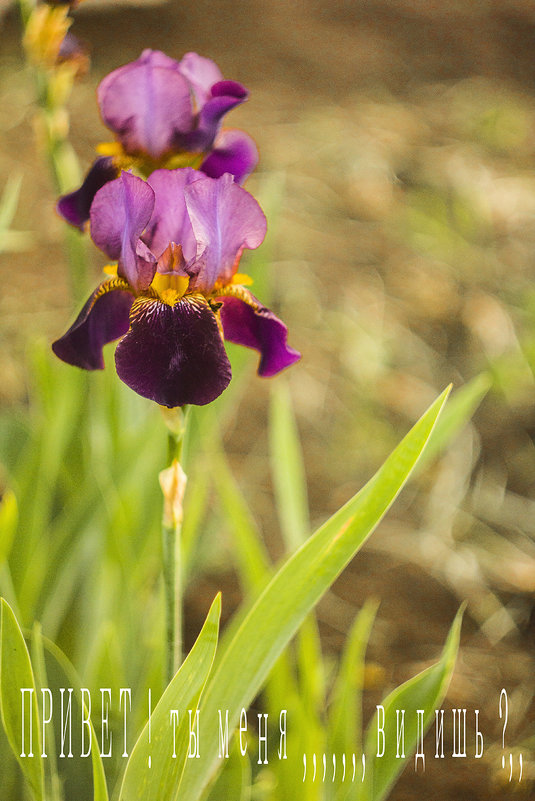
{"x": 165, "y": 113}
{"x": 178, "y": 238}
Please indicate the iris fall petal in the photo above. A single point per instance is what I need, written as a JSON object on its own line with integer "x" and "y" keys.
{"x": 255, "y": 326}
{"x": 104, "y": 318}
{"x": 234, "y": 152}
{"x": 226, "y": 95}
{"x": 75, "y": 206}
{"x": 173, "y": 355}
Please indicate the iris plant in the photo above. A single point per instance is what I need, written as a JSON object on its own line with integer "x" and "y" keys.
{"x": 175, "y": 293}
{"x": 165, "y": 113}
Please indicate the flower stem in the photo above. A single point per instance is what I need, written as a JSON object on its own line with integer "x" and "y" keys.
{"x": 173, "y": 484}
{"x": 53, "y": 84}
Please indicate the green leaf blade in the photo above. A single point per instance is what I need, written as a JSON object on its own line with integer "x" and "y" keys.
{"x": 457, "y": 414}
{"x": 9, "y": 516}
{"x": 346, "y": 714}
{"x": 288, "y": 469}
{"x": 423, "y": 692}
{"x": 275, "y": 617}
{"x": 152, "y": 773}
{"x": 16, "y": 674}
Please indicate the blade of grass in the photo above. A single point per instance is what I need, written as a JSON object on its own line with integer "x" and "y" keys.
{"x": 15, "y": 675}
{"x": 345, "y": 722}
{"x": 100, "y": 791}
{"x": 49, "y": 745}
{"x": 423, "y": 692}
{"x": 288, "y": 471}
{"x": 9, "y": 516}
{"x": 457, "y": 413}
{"x": 152, "y": 773}
{"x": 276, "y": 615}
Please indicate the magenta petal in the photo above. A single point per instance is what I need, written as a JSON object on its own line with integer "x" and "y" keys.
{"x": 226, "y": 95}
{"x": 173, "y": 355}
{"x": 225, "y": 219}
{"x": 257, "y": 327}
{"x": 74, "y": 207}
{"x": 170, "y": 221}
{"x": 104, "y": 317}
{"x": 234, "y": 152}
{"x": 119, "y": 214}
{"x": 147, "y": 103}
{"x": 201, "y": 74}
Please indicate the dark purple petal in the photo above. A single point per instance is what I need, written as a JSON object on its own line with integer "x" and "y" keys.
{"x": 74, "y": 207}
{"x": 170, "y": 221}
{"x": 173, "y": 355}
{"x": 147, "y": 103}
{"x": 201, "y": 74}
{"x": 119, "y": 214}
{"x": 225, "y": 96}
{"x": 250, "y": 324}
{"x": 225, "y": 219}
{"x": 234, "y": 152}
{"x": 104, "y": 317}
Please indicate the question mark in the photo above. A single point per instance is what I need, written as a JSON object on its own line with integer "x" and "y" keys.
{"x": 503, "y": 695}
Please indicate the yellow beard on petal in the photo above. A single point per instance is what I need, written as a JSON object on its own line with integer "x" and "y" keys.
{"x": 170, "y": 287}
{"x": 143, "y": 163}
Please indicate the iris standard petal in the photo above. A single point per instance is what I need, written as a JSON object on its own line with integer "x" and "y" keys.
{"x": 170, "y": 221}
{"x": 201, "y": 74}
{"x": 119, "y": 214}
{"x": 147, "y": 103}
{"x": 251, "y": 324}
{"x": 225, "y": 219}
{"x": 173, "y": 355}
{"x": 234, "y": 152}
{"x": 74, "y": 207}
{"x": 104, "y": 317}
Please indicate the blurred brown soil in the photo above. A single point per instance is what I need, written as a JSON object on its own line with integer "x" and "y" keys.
{"x": 361, "y": 110}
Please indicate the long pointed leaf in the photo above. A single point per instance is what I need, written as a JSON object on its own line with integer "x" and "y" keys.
{"x": 16, "y": 674}
{"x": 424, "y": 691}
{"x": 346, "y": 713}
{"x": 152, "y": 773}
{"x": 8, "y": 523}
{"x": 294, "y": 590}
{"x": 458, "y": 412}
{"x": 288, "y": 470}
{"x": 41, "y": 644}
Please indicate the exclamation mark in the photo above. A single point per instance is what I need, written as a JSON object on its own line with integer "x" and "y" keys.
{"x": 149, "y": 722}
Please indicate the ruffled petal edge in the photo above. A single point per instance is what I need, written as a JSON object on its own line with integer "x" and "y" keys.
{"x": 246, "y": 322}
{"x": 104, "y": 318}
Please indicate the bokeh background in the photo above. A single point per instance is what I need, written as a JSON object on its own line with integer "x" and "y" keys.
{"x": 397, "y": 143}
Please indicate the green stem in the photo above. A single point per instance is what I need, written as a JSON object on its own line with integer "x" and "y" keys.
{"x": 173, "y": 599}
{"x": 63, "y": 162}
{"x": 171, "y": 543}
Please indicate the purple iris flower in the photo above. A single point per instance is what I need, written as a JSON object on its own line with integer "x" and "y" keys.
{"x": 165, "y": 113}
{"x": 177, "y": 238}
